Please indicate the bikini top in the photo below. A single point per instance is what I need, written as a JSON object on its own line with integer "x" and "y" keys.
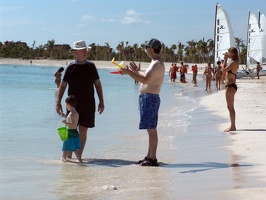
{"x": 230, "y": 72}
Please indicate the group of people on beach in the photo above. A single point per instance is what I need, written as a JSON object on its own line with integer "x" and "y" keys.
{"x": 214, "y": 74}
{"x": 174, "y": 69}
{"x": 82, "y": 78}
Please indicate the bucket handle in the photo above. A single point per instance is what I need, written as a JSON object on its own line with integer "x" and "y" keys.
{"x": 60, "y": 122}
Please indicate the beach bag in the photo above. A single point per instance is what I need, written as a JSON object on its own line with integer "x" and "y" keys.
{"x": 62, "y": 131}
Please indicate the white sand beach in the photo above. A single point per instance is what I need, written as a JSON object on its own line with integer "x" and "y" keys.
{"x": 248, "y": 142}
{"x": 246, "y": 145}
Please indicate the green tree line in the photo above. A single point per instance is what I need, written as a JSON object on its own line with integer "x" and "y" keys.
{"x": 192, "y": 52}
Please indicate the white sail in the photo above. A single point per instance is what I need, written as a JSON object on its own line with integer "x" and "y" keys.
{"x": 254, "y": 49}
{"x": 223, "y": 36}
{"x": 262, "y": 26}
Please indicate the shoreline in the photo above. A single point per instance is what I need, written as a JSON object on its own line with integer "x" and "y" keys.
{"x": 99, "y": 64}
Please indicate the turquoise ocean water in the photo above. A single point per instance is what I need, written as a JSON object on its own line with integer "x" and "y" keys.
{"x": 30, "y": 148}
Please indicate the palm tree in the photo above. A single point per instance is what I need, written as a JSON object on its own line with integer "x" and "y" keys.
{"x": 202, "y": 50}
{"x": 210, "y": 50}
{"x": 191, "y": 50}
{"x": 136, "y": 54}
{"x": 50, "y": 45}
{"x": 119, "y": 49}
{"x": 180, "y": 52}
{"x": 108, "y": 50}
{"x": 239, "y": 43}
{"x": 173, "y": 48}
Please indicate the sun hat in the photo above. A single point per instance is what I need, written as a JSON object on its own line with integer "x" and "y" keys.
{"x": 79, "y": 45}
{"x": 154, "y": 43}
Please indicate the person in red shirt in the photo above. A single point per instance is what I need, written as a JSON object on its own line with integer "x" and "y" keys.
{"x": 172, "y": 72}
{"x": 195, "y": 72}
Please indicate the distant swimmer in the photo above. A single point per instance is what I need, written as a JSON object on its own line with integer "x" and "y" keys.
{"x": 58, "y": 75}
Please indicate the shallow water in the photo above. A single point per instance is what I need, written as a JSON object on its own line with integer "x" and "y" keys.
{"x": 30, "y": 147}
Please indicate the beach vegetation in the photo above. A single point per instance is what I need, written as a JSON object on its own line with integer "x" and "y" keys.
{"x": 193, "y": 51}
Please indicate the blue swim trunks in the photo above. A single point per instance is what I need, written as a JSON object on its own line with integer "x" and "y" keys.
{"x": 73, "y": 142}
{"x": 149, "y": 107}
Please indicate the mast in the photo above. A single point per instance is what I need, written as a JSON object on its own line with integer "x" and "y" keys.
{"x": 259, "y": 19}
{"x": 248, "y": 41}
{"x": 215, "y": 36}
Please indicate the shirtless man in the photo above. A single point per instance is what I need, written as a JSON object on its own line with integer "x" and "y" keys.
{"x": 151, "y": 81}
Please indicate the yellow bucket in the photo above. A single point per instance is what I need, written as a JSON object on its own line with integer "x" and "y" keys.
{"x": 63, "y": 133}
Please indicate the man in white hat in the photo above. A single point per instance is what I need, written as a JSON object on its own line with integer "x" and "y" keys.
{"x": 81, "y": 77}
{"x": 149, "y": 101}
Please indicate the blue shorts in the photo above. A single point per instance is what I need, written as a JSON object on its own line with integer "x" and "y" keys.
{"x": 73, "y": 142}
{"x": 149, "y": 107}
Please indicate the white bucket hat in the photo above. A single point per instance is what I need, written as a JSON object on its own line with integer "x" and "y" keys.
{"x": 79, "y": 45}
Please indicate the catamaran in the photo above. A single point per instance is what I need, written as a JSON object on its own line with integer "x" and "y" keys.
{"x": 256, "y": 43}
{"x": 262, "y": 26}
{"x": 224, "y": 37}
{"x": 223, "y": 34}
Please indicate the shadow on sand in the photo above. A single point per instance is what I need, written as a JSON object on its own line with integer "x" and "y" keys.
{"x": 251, "y": 130}
{"x": 201, "y": 167}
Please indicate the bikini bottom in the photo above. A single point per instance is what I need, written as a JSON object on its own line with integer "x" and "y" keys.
{"x": 232, "y": 85}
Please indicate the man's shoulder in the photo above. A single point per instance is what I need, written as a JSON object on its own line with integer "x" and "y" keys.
{"x": 90, "y": 62}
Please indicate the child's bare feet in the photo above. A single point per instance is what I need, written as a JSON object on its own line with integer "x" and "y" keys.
{"x": 64, "y": 160}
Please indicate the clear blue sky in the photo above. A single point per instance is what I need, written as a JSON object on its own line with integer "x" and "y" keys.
{"x": 135, "y": 21}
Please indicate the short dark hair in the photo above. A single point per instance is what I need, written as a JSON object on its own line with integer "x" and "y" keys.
{"x": 71, "y": 100}
{"x": 61, "y": 69}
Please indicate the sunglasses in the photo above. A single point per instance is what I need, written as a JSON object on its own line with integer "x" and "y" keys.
{"x": 147, "y": 47}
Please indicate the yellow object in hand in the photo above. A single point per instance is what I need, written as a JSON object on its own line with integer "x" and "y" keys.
{"x": 120, "y": 65}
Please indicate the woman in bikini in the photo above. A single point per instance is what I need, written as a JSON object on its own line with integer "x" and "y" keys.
{"x": 218, "y": 75}
{"x": 230, "y": 84}
{"x": 208, "y": 73}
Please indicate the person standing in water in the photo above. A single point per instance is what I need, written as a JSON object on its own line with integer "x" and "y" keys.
{"x": 81, "y": 77}
{"x": 58, "y": 75}
{"x": 149, "y": 101}
{"x": 195, "y": 72}
{"x": 73, "y": 142}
